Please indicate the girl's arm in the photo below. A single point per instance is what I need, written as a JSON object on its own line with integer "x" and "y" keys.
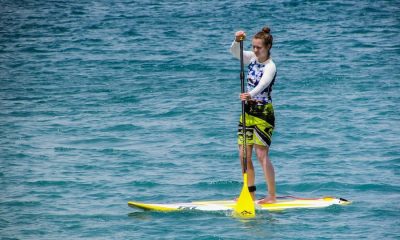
{"x": 247, "y": 55}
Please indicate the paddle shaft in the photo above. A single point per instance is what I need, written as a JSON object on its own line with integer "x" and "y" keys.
{"x": 244, "y": 146}
{"x": 244, "y": 207}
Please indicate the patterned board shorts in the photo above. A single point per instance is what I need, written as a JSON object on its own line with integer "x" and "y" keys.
{"x": 260, "y": 122}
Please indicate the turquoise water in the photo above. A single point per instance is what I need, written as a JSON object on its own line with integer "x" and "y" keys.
{"x": 103, "y": 102}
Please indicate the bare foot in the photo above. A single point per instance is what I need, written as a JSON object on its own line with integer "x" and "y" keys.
{"x": 266, "y": 200}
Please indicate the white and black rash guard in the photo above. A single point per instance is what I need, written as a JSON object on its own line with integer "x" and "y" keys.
{"x": 260, "y": 76}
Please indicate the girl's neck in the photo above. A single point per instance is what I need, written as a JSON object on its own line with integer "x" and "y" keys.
{"x": 264, "y": 59}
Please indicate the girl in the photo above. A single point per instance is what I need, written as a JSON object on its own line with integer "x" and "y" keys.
{"x": 260, "y": 119}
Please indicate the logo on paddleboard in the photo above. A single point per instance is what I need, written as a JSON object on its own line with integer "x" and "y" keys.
{"x": 245, "y": 213}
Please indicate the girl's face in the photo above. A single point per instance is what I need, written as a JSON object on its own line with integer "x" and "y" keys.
{"x": 259, "y": 49}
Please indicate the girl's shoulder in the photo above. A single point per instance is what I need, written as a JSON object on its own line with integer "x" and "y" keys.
{"x": 270, "y": 66}
{"x": 271, "y": 62}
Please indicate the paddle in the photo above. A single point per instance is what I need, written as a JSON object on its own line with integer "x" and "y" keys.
{"x": 245, "y": 205}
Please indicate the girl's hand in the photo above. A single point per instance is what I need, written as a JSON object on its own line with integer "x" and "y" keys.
{"x": 240, "y": 36}
{"x": 245, "y": 96}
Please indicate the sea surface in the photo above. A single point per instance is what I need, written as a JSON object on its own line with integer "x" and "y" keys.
{"x": 103, "y": 102}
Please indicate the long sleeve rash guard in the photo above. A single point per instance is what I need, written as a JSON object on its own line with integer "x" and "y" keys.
{"x": 261, "y": 75}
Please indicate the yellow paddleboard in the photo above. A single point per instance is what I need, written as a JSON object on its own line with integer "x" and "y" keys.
{"x": 227, "y": 205}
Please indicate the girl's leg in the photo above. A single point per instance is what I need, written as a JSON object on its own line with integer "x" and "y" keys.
{"x": 262, "y": 153}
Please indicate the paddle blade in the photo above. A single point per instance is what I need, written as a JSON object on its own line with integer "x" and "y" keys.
{"x": 245, "y": 205}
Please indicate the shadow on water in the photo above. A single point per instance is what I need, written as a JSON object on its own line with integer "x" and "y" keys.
{"x": 142, "y": 215}
{"x": 261, "y": 217}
